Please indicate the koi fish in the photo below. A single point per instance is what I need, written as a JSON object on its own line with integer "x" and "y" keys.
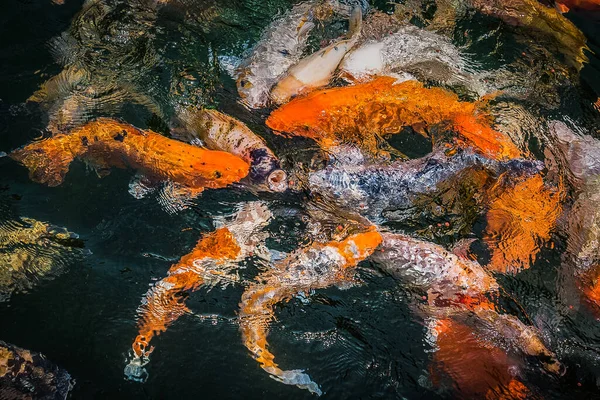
{"x": 221, "y": 132}
{"x": 315, "y": 267}
{"x": 316, "y": 70}
{"x": 413, "y": 52}
{"x": 455, "y": 287}
{"x": 108, "y": 143}
{"x": 520, "y": 219}
{"x": 376, "y": 190}
{"x": 363, "y": 113}
{"x": 280, "y": 46}
{"x": 539, "y": 20}
{"x": 25, "y": 374}
{"x": 564, "y": 6}
{"x": 32, "y": 251}
{"x": 213, "y": 256}
{"x": 579, "y": 157}
{"x": 478, "y": 368}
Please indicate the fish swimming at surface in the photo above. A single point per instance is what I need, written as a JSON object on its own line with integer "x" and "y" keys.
{"x": 213, "y": 257}
{"x": 362, "y": 113}
{"x": 317, "y": 266}
{"x": 108, "y": 143}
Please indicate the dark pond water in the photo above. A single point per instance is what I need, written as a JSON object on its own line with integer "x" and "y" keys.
{"x": 359, "y": 342}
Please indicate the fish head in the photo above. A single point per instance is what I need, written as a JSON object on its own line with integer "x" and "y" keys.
{"x": 250, "y": 93}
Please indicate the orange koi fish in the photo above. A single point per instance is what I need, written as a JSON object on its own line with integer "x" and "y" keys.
{"x": 222, "y": 132}
{"x": 363, "y": 113}
{"x": 315, "y": 267}
{"x": 211, "y": 258}
{"x": 564, "y": 6}
{"x": 478, "y": 368}
{"x": 108, "y": 143}
{"x": 519, "y": 222}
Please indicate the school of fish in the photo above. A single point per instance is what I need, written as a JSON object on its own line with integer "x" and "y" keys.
{"x": 421, "y": 220}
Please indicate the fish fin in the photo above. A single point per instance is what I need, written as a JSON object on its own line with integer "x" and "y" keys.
{"x": 140, "y": 186}
{"x": 174, "y": 198}
{"x": 304, "y": 30}
{"x": 47, "y": 163}
{"x": 355, "y": 23}
{"x": 461, "y": 249}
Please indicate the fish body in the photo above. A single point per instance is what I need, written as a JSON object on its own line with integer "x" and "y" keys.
{"x": 221, "y": 132}
{"x": 541, "y": 21}
{"x": 430, "y": 267}
{"x": 521, "y": 215}
{"x": 375, "y": 189}
{"x": 280, "y": 47}
{"x": 412, "y": 51}
{"x": 109, "y": 143}
{"x": 213, "y": 257}
{"x": 317, "y": 69}
{"x": 314, "y": 267}
{"x": 456, "y": 287}
{"x": 25, "y": 374}
{"x": 362, "y": 113}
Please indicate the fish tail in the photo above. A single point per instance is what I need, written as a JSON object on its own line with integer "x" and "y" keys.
{"x": 48, "y": 160}
{"x": 256, "y": 312}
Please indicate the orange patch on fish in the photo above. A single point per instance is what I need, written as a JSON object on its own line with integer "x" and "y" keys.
{"x": 566, "y": 5}
{"x": 519, "y": 222}
{"x": 108, "y": 143}
{"x": 477, "y": 367}
{"x": 164, "y": 303}
{"x": 365, "y": 112}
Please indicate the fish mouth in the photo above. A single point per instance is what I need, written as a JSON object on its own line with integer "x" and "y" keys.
{"x": 277, "y": 181}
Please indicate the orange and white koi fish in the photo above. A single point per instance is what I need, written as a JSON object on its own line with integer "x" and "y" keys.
{"x": 315, "y": 267}
{"x": 215, "y": 254}
{"x": 456, "y": 288}
{"x": 520, "y": 219}
{"x": 316, "y": 70}
{"x": 108, "y": 143}
{"x": 221, "y": 132}
{"x": 363, "y": 113}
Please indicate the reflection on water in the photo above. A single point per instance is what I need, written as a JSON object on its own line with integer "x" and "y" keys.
{"x": 400, "y": 198}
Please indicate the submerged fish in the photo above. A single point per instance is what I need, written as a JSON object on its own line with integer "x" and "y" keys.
{"x": 315, "y": 267}
{"x": 579, "y": 155}
{"x": 32, "y": 251}
{"x": 317, "y": 70}
{"x": 108, "y": 143}
{"x": 280, "y": 46}
{"x": 28, "y": 375}
{"x": 377, "y": 190}
{"x": 412, "y": 51}
{"x": 542, "y": 21}
{"x": 213, "y": 257}
{"x": 363, "y": 113}
{"x": 477, "y": 368}
{"x": 221, "y": 132}
{"x": 455, "y": 288}
{"x": 522, "y": 213}
{"x": 566, "y": 5}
